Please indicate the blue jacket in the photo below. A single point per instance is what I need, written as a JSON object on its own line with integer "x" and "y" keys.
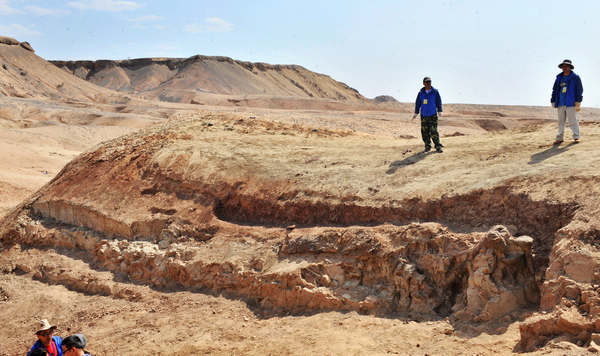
{"x": 430, "y": 104}
{"x": 574, "y": 90}
{"x": 57, "y": 341}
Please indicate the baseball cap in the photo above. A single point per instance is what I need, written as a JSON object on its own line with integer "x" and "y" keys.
{"x": 75, "y": 340}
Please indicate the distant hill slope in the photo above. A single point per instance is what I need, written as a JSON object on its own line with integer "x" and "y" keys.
{"x": 186, "y": 79}
{"x": 26, "y": 75}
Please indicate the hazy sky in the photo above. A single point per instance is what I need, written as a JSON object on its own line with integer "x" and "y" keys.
{"x": 485, "y": 52}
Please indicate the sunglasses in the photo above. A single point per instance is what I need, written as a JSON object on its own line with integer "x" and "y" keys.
{"x": 46, "y": 333}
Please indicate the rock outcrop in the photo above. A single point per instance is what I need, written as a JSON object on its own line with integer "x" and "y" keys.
{"x": 27, "y": 46}
{"x": 385, "y": 99}
{"x": 23, "y": 74}
{"x": 12, "y": 42}
{"x": 162, "y": 208}
{"x": 8, "y": 41}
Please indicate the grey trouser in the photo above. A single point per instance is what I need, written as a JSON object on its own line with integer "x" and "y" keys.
{"x": 567, "y": 113}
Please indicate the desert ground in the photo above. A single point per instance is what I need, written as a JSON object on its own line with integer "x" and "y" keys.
{"x": 278, "y": 225}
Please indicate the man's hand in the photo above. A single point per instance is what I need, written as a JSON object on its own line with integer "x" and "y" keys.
{"x": 577, "y": 106}
{"x": 414, "y": 116}
{"x": 553, "y": 104}
{"x": 439, "y": 113}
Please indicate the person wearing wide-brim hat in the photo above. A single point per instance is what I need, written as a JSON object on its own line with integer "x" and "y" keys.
{"x": 567, "y": 94}
{"x": 46, "y": 339}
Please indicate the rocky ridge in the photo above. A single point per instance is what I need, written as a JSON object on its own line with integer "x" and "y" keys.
{"x": 190, "y": 79}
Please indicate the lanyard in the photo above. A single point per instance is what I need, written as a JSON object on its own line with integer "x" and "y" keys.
{"x": 52, "y": 351}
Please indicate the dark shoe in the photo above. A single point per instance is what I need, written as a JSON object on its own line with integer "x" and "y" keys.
{"x": 427, "y": 149}
{"x": 439, "y": 149}
{"x": 576, "y": 140}
{"x": 558, "y": 142}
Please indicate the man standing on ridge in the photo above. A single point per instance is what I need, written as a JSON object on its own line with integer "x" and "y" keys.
{"x": 429, "y": 103}
{"x": 567, "y": 94}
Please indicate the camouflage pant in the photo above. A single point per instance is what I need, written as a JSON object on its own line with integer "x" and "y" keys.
{"x": 429, "y": 131}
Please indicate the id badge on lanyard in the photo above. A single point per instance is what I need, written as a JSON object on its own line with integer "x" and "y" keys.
{"x": 424, "y": 101}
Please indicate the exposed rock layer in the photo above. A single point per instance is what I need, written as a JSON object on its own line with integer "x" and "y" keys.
{"x": 176, "y": 207}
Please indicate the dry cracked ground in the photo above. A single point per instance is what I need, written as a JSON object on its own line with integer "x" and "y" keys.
{"x": 254, "y": 231}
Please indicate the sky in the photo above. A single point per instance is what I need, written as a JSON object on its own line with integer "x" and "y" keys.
{"x": 479, "y": 52}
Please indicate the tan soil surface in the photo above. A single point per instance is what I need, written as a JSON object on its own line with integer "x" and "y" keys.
{"x": 393, "y": 169}
{"x": 291, "y": 226}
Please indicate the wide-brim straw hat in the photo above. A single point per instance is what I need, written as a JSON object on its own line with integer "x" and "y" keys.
{"x": 45, "y": 325}
{"x": 567, "y": 62}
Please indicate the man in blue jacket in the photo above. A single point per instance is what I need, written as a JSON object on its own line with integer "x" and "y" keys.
{"x": 567, "y": 94}
{"x": 429, "y": 103}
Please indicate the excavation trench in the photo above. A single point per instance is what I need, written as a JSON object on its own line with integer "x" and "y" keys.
{"x": 400, "y": 259}
{"x": 462, "y": 213}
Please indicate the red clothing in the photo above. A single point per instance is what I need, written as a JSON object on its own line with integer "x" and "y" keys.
{"x": 52, "y": 349}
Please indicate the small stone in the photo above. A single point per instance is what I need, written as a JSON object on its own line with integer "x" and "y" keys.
{"x": 290, "y": 227}
{"x": 524, "y": 241}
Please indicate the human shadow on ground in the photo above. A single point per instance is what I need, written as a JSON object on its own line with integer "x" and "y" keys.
{"x": 550, "y": 152}
{"x": 412, "y": 159}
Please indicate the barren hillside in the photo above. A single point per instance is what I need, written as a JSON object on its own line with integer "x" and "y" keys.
{"x": 24, "y": 74}
{"x": 186, "y": 79}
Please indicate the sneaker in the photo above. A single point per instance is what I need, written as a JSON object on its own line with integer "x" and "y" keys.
{"x": 558, "y": 142}
{"x": 427, "y": 149}
{"x": 439, "y": 149}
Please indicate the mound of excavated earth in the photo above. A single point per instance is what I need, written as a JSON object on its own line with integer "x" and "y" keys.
{"x": 300, "y": 220}
{"x": 187, "y": 79}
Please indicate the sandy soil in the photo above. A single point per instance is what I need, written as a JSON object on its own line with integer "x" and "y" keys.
{"x": 371, "y": 153}
{"x": 182, "y": 322}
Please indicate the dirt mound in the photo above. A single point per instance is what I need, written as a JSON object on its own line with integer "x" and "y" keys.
{"x": 490, "y": 125}
{"x": 186, "y": 79}
{"x": 385, "y": 99}
{"x": 23, "y": 74}
{"x": 252, "y": 209}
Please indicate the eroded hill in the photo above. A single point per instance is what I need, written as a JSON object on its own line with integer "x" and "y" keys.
{"x": 24, "y": 74}
{"x": 190, "y": 79}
